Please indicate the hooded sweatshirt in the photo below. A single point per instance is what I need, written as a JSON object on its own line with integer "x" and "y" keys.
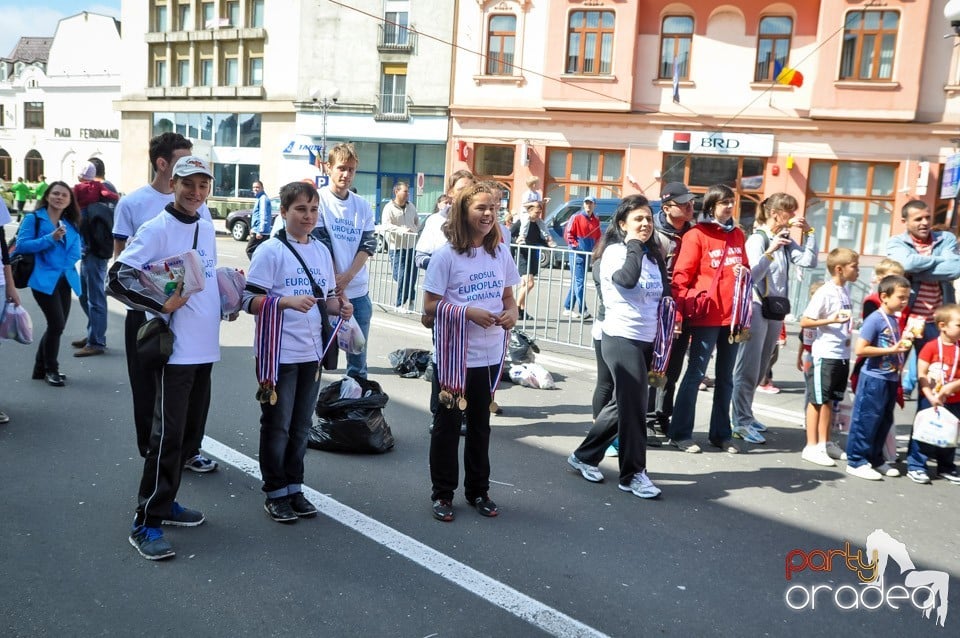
{"x": 667, "y": 239}
{"x": 700, "y": 256}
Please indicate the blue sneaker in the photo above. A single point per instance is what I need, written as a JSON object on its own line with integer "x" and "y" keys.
{"x": 200, "y": 464}
{"x": 151, "y": 544}
{"x": 612, "y": 451}
{"x": 748, "y": 434}
{"x": 180, "y": 516}
{"x": 759, "y": 427}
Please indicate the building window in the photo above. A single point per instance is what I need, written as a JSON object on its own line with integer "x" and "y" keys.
{"x": 501, "y": 41}
{"x": 773, "y": 47}
{"x": 869, "y": 42}
{"x": 183, "y": 72}
{"x": 160, "y": 17}
{"x": 234, "y": 180}
{"x": 256, "y": 13}
{"x": 206, "y": 72}
{"x": 395, "y": 29}
{"x": 250, "y": 130}
{"x": 183, "y": 18}
{"x": 393, "y": 90}
{"x": 3, "y": 114}
{"x": 6, "y": 165}
{"x": 233, "y": 13}
{"x": 575, "y": 173}
{"x": 33, "y": 115}
{"x": 209, "y": 14}
{"x": 231, "y": 72}
{"x": 160, "y": 72}
{"x": 853, "y": 203}
{"x": 255, "y": 77}
{"x": 590, "y": 43}
{"x": 742, "y": 174}
{"x": 676, "y": 41}
{"x": 493, "y": 161}
{"x": 32, "y": 166}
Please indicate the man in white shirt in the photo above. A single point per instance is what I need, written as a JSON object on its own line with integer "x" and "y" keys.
{"x": 400, "y": 225}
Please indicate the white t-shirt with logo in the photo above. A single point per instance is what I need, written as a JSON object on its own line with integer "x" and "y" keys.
{"x": 143, "y": 204}
{"x": 346, "y": 220}
{"x": 196, "y": 326}
{"x": 275, "y": 269}
{"x": 833, "y": 340}
{"x": 474, "y": 279}
{"x": 629, "y": 313}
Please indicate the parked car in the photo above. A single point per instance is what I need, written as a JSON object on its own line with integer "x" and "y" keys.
{"x": 557, "y": 219}
{"x": 238, "y": 222}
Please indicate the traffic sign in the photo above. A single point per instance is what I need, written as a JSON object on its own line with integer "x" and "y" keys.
{"x": 323, "y": 180}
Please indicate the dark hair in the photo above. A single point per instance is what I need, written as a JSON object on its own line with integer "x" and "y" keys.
{"x": 777, "y": 201}
{"x": 457, "y": 228}
{"x": 71, "y": 213}
{"x": 293, "y": 191}
{"x": 444, "y": 199}
{"x": 398, "y": 184}
{"x": 101, "y": 170}
{"x": 890, "y": 283}
{"x": 615, "y": 235}
{"x": 255, "y": 182}
{"x": 913, "y": 204}
{"x": 716, "y": 193}
{"x": 165, "y": 144}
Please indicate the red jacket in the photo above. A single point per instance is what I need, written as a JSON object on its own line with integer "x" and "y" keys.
{"x": 694, "y": 268}
{"x": 583, "y": 232}
{"x": 92, "y": 191}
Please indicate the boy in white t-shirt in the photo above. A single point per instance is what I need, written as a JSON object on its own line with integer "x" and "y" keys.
{"x": 277, "y": 272}
{"x": 345, "y": 226}
{"x": 831, "y": 313}
{"x": 183, "y": 383}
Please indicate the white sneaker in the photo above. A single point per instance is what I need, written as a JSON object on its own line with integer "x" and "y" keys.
{"x": 888, "y": 470}
{"x": 815, "y": 455}
{"x": 641, "y": 486}
{"x": 590, "y": 472}
{"x": 835, "y": 452}
{"x": 566, "y": 313}
{"x": 865, "y": 472}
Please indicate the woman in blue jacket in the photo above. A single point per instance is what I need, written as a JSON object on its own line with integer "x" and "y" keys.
{"x": 51, "y": 234}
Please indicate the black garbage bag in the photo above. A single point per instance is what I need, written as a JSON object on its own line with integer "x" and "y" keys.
{"x": 521, "y": 349}
{"x": 351, "y": 425}
{"x": 410, "y": 363}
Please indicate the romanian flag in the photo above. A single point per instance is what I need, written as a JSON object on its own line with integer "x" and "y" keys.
{"x": 787, "y": 76}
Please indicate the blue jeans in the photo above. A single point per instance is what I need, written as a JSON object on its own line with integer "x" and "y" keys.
{"x": 362, "y": 313}
{"x": 872, "y": 419}
{"x": 703, "y": 341}
{"x": 284, "y": 428}
{"x": 578, "y": 270}
{"x": 93, "y": 299}
{"x": 405, "y": 274}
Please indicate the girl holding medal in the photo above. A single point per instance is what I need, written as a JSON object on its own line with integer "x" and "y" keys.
{"x": 285, "y": 297}
{"x": 632, "y": 282}
{"x": 469, "y": 301}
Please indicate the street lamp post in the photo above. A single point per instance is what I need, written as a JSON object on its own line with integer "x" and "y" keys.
{"x": 324, "y": 100}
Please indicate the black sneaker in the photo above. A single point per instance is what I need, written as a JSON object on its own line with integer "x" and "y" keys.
{"x": 151, "y": 544}
{"x": 485, "y": 506}
{"x": 953, "y": 476}
{"x": 180, "y": 516}
{"x": 443, "y": 510}
{"x": 301, "y": 506}
{"x": 279, "y": 510}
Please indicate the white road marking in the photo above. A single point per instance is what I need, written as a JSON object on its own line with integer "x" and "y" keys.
{"x": 548, "y": 619}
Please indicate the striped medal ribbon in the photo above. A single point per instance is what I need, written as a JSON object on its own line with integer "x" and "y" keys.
{"x": 268, "y": 332}
{"x": 663, "y": 341}
{"x": 494, "y": 384}
{"x": 742, "y": 306}
{"x": 450, "y": 331}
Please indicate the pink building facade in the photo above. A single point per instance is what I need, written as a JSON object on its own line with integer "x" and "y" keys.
{"x": 580, "y": 93}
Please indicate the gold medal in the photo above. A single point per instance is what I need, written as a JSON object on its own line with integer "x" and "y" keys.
{"x": 446, "y": 398}
{"x": 259, "y": 395}
{"x": 494, "y": 407}
{"x": 462, "y": 404}
{"x": 273, "y": 397}
{"x": 731, "y": 338}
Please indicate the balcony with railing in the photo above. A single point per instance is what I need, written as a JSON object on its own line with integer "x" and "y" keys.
{"x": 391, "y": 108}
{"x": 395, "y": 38}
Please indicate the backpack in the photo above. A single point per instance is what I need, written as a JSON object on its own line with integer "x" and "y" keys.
{"x": 97, "y": 229}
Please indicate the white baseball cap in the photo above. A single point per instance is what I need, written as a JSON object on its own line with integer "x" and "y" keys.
{"x": 191, "y": 165}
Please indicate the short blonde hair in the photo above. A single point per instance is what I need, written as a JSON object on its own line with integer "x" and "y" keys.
{"x": 946, "y": 312}
{"x": 888, "y": 267}
{"x": 840, "y": 257}
{"x": 343, "y": 152}
{"x": 533, "y": 179}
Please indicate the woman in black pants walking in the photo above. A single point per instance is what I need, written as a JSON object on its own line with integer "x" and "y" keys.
{"x": 50, "y": 234}
{"x": 632, "y": 281}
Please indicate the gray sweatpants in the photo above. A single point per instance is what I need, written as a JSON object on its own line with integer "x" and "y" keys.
{"x": 753, "y": 361}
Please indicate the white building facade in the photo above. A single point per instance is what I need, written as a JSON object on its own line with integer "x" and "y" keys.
{"x": 56, "y": 112}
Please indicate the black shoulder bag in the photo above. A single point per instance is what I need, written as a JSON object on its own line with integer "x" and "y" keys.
{"x": 154, "y": 337}
{"x": 332, "y": 358}
{"x": 21, "y": 264}
{"x": 771, "y": 307}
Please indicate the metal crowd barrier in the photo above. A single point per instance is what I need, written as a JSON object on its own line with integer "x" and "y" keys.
{"x": 545, "y": 303}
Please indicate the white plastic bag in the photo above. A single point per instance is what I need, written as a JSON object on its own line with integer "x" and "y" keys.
{"x": 231, "y": 283}
{"x": 160, "y": 278}
{"x": 16, "y": 324}
{"x": 350, "y": 389}
{"x": 936, "y": 426}
{"x": 350, "y": 338}
{"x": 541, "y": 376}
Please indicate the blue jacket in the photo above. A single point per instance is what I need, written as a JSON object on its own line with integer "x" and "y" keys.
{"x": 262, "y": 216}
{"x": 53, "y": 258}
{"x": 942, "y": 265}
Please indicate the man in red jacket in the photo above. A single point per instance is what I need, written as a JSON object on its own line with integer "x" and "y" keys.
{"x": 582, "y": 235}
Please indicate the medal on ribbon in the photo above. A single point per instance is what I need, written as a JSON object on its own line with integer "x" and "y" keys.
{"x": 663, "y": 341}
{"x": 742, "y": 306}
{"x": 266, "y": 348}
{"x": 450, "y": 332}
{"x": 494, "y": 384}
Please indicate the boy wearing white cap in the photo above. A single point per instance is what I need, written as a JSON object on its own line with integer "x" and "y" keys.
{"x": 183, "y": 383}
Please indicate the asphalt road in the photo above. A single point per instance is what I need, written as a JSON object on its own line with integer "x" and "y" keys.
{"x": 565, "y": 557}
